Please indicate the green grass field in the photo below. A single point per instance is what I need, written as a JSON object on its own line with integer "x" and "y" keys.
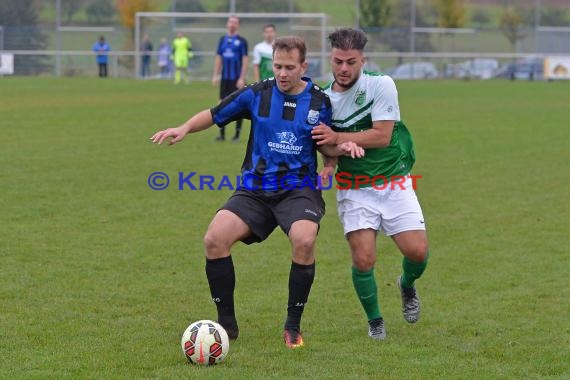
{"x": 100, "y": 275}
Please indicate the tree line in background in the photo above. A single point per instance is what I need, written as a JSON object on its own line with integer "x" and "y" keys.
{"x": 385, "y": 16}
{"x": 373, "y": 12}
{"x": 104, "y": 11}
{"x": 23, "y": 13}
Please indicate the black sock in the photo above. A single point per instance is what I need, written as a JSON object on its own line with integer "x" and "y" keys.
{"x": 222, "y": 132}
{"x": 300, "y": 280}
{"x": 238, "y": 127}
{"x": 222, "y": 280}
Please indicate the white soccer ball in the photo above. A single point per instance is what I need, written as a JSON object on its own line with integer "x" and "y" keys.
{"x": 205, "y": 342}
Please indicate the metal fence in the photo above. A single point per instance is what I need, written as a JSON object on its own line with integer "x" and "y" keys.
{"x": 387, "y": 48}
{"x": 418, "y": 65}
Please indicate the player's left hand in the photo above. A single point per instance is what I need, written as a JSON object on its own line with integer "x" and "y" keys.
{"x": 326, "y": 173}
{"x": 351, "y": 149}
{"x": 175, "y": 133}
{"x": 324, "y": 134}
{"x": 240, "y": 83}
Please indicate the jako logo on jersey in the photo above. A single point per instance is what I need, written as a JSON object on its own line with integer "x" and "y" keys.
{"x": 313, "y": 117}
{"x": 286, "y": 137}
{"x": 290, "y": 104}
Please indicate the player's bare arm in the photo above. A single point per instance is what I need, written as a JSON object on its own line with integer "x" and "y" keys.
{"x": 241, "y": 81}
{"x": 217, "y": 70}
{"x": 330, "y": 157}
{"x": 376, "y": 137}
{"x": 256, "y": 75}
{"x": 329, "y": 166}
{"x": 331, "y": 152}
{"x": 199, "y": 122}
{"x": 348, "y": 148}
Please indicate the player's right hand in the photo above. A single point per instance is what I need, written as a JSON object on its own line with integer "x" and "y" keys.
{"x": 352, "y": 149}
{"x": 175, "y": 134}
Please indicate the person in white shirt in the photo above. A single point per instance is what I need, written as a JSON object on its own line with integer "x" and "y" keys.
{"x": 263, "y": 55}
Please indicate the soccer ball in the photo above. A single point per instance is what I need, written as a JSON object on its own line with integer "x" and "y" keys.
{"x": 205, "y": 342}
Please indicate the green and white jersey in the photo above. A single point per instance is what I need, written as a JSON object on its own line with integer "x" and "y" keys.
{"x": 263, "y": 56}
{"x": 372, "y": 98}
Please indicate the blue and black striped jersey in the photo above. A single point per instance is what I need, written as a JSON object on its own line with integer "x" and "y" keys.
{"x": 280, "y": 148}
{"x": 232, "y": 49}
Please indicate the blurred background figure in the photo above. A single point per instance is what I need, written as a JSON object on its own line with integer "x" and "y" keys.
{"x": 231, "y": 62}
{"x": 164, "y": 58}
{"x": 101, "y": 49}
{"x": 181, "y": 55}
{"x": 263, "y": 55}
{"x": 146, "y": 49}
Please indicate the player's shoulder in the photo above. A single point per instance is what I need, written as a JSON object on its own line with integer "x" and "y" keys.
{"x": 258, "y": 47}
{"x": 315, "y": 86}
{"x": 263, "y": 85}
{"x": 327, "y": 88}
{"x": 317, "y": 90}
{"x": 376, "y": 77}
{"x": 319, "y": 95}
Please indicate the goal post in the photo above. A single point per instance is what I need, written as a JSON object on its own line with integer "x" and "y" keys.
{"x": 205, "y": 29}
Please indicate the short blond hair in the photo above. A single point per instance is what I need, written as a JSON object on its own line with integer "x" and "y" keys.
{"x": 289, "y": 43}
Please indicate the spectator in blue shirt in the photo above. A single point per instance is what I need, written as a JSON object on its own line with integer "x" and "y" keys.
{"x": 101, "y": 49}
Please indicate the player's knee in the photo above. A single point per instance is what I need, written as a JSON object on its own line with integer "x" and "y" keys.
{"x": 363, "y": 263}
{"x": 214, "y": 245}
{"x": 418, "y": 252}
{"x": 304, "y": 244}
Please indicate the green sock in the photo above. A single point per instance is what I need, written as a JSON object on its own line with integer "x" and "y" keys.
{"x": 365, "y": 286}
{"x": 412, "y": 271}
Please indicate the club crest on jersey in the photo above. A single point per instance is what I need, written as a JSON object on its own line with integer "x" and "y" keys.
{"x": 286, "y": 137}
{"x": 313, "y": 117}
{"x": 360, "y": 97}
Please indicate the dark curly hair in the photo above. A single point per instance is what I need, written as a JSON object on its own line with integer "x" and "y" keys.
{"x": 348, "y": 39}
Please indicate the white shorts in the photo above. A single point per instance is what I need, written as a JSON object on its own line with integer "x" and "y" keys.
{"x": 391, "y": 210}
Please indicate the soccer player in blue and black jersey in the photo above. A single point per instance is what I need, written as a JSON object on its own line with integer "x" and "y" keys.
{"x": 231, "y": 60}
{"x": 280, "y": 179}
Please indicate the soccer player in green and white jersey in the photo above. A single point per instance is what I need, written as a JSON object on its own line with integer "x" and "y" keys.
{"x": 263, "y": 55}
{"x": 366, "y": 111}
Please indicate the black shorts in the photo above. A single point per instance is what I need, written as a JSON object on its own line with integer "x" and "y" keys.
{"x": 227, "y": 87}
{"x": 262, "y": 211}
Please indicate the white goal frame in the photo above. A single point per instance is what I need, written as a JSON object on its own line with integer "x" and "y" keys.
{"x": 291, "y": 16}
